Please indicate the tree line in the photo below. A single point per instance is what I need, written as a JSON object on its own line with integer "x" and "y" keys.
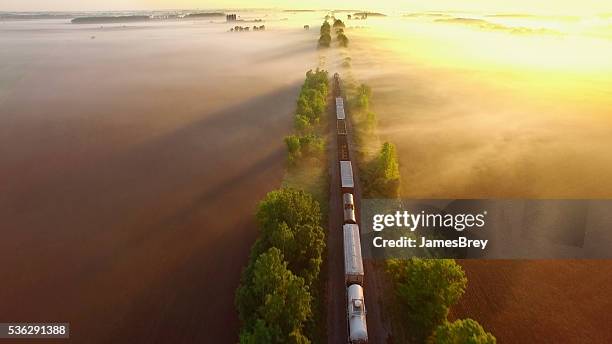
{"x": 325, "y": 37}
{"x": 325, "y": 34}
{"x": 278, "y": 287}
{"x": 381, "y": 177}
{"x": 278, "y": 298}
{"x": 339, "y": 28}
{"x": 311, "y": 104}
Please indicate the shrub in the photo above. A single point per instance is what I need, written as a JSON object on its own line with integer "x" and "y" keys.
{"x": 302, "y": 124}
{"x": 325, "y": 28}
{"x": 461, "y": 331}
{"x": 273, "y": 304}
{"x": 325, "y": 40}
{"x": 289, "y": 220}
{"x": 381, "y": 176}
{"x": 426, "y": 289}
{"x": 339, "y": 24}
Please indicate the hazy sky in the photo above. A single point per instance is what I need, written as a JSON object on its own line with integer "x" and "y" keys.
{"x": 542, "y": 6}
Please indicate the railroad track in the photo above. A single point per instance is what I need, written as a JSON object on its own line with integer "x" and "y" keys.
{"x": 346, "y": 307}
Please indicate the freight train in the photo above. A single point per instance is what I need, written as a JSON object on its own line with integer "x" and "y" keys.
{"x": 353, "y": 262}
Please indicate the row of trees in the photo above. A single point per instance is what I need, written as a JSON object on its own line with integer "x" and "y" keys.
{"x": 339, "y": 28}
{"x": 278, "y": 287}
{"x": 311, "y": 105}
{"x": 426, "y": 289}
{"x": 381, "y": 177}
{"x": 325, "y": 38}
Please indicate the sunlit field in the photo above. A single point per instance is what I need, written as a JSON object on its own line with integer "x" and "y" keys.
{"x": 493, "y": 105}
{"x": 502, "y": 106}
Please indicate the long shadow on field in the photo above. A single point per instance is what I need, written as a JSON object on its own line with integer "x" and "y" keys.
{"x": 147, "y": 244}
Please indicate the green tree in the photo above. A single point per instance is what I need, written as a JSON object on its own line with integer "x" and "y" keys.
{"x": 325, "y": 40}
{"x": 293, "y": 144}
{"x": 325, "y": 28}
{"x": 426, "y": 289}
{"x": 302, "y": 123}
{"x": 364, "y": 92}
{"x": 343, "y": 40}
{"x": 273, "y": 304}
{"x": 370, "y": 121}
{"x": 294, "y": 149}
{"x": 291, "y": 206}
{"x": 302, "y": 246}
{"x": 312, "y": 145}
{"x": 304, "y": 107}
{"x": 317, "y": 80}
{"x": 382, "y": 177}
{"x": 316, "y": 101}
{"x": 289, "y": 220}
{"x": 466, "y": 331}
{"x": 339, "y": 24}
{"x": 387, "y": 162}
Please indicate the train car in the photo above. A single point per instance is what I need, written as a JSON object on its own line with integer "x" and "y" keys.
{"x": 353, "y": 263}
{"x": 349, "y": 208}
{"x": 341, "y": 127}
{"x": 339, "y": 102}
{"x": 340, "y": 114}
{"x": 356, "y": 315}
{"x": 346, "y": 177}
{"x": 343, "y": 148}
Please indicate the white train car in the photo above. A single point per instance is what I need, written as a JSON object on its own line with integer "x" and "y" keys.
{"x": 357, "y": 327}
{"x": 353, "y": 262}
{"x": 339, "y": 102}
{"x": 346, "y": 176}
{"x": 340, "y": 108}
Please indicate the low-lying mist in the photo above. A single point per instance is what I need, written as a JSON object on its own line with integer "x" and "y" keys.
{"x": 483, "y": 114}
{"x": 132, "y": 159}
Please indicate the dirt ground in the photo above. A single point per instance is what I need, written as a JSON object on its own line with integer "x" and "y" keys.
{"x": 565, "y": 301}
{"x": 131, "y": 167}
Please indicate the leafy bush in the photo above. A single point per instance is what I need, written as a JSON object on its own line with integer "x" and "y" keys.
{"x": 382, "y": 177}
{"x": 311, "y": 105}
{"x": 275, "y": 295}
{"x": 461, "y": 331}
{"x": 364, "y": 92}
{"x": 289, "y": 219}
{"x": 325, "y": 28}
{"x": 273, "y": 304}
{"x": 426, "y": 289}
{"x": 339, "y": 24}
{"x": 301, "y": 124}
{"x": 325, "y": 40}
{"x": 370, "y": 121}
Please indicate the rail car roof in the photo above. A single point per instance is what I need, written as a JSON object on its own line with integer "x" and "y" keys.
{"x": 346, "y": 174}
{"x": 340, "y": 113}
{"x": 353, "y": 263}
